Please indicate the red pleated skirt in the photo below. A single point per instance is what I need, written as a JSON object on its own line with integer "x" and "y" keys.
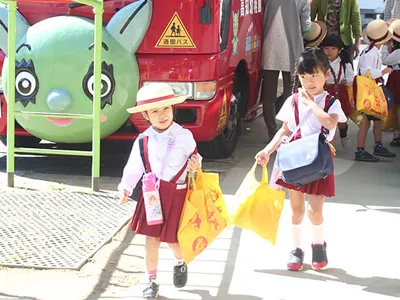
{"x": 393, "y": 84}
{"x": 343, "y": 97}
{"x": 172, "y": 201}
{"x": 324, "y": 186}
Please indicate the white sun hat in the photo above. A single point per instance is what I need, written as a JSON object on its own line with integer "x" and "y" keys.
{"x": 155, "y": 95}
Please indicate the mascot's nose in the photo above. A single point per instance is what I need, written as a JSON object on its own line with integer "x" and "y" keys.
{"x": 59, "y": 100}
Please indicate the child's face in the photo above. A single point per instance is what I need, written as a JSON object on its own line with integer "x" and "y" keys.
{"x": 160, "y": 118}
{"x": 314, "y": 83}
{"x": 331, "y": 52}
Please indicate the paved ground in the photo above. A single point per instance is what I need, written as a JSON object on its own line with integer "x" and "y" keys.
{"x": 361, "y": 223}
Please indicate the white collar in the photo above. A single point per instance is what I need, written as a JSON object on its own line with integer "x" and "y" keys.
{"x": 318, "y": 98}
{"x": 172, "y": 130}
{"x": 336, "y": 61}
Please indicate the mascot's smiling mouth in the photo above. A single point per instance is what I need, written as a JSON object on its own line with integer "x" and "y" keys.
{"x": 66, "y": 121}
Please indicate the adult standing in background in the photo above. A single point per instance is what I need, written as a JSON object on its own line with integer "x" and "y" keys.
{"x": 285, "y": 22}
{"x": 343, "y": 19}
{"x": 392, "y": 9}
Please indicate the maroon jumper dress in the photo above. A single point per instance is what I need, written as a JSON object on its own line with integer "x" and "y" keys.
{"x": 394, "y": 78}
{"x": 324, "y": 186}
{"x": 342, "y": 94}
{"x": 172, "y": 201}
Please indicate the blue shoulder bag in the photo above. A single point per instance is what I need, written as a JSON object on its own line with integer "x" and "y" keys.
{"x": 307, "y": 159}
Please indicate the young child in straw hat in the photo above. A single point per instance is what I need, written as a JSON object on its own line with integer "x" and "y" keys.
{"x": 391, "y": 57}
{"x": 169, "y": 151}
{"x": 376, "y": 33}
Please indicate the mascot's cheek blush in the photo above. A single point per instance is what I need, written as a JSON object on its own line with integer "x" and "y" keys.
{"x": 65, "y": 122}
{"x": 60, "y": 122}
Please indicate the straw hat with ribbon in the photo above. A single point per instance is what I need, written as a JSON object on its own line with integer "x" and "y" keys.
{"x": 317, "y": 33}
{"x": 395, "y": 29}
{"x": 377, "y": 33}
{"x": 155, "y": 95}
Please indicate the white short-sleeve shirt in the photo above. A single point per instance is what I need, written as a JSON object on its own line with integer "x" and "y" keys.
{"x": 184, "y": 145}
{"x": 311, "y": 125}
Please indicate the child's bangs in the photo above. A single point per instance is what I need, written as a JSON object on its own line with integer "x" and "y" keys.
{"x": 308, "y": 64}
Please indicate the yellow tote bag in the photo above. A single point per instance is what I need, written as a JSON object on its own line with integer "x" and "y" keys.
{"x": 390, "y": 121}
{"x": 204, "y": 215}
{"x": 262, "y": 206}
{"x": 370, "y": 98}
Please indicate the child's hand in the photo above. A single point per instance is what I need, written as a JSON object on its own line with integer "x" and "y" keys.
{"x": 194, "y": 162}
{"x": 306, "y": 97}
{"x": 387, "y": 70}
{"x": 344, "y": 81}
{"x": 262, "y": 157}
{"x": 124, "y": 197}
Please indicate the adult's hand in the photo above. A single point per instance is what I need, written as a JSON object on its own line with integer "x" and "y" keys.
{"x": 356, "y": 49}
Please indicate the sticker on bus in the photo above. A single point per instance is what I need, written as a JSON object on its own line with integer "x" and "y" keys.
{"x": 175, "y": 35}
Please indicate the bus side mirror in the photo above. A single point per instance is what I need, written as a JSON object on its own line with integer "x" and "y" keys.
{"x": 206, "y": 14}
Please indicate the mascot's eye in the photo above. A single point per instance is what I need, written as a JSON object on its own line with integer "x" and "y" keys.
{"x": 26, "y": 83}
{"x": 107, "y": 83}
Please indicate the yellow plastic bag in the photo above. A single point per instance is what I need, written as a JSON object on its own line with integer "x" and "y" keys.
{"x": 389, "y": 123}
{"x": 204, "y": 215}
{"x": 262, "y": 206}
{"x": 370, "y": 98}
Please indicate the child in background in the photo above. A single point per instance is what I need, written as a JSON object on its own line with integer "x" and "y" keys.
{"x": 377, "y": 33}
{"x": 312, "y": 70}
{"x": 163, "y": 138}
{"x": 391, "y": 57}
{"x": 342, "y": 75}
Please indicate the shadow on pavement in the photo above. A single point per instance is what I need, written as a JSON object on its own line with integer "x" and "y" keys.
{"x": 393, "y": 210}
{"x": 110, "y": 267}
{"x": 223, "y": 291}
{"x": 376, "y": 285}
{"x": 205, "y": 295}
{"x": 18, "y": 297}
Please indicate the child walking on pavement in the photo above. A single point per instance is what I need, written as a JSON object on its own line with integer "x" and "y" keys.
{"x": 313, "y": 70}
{"x": 377, "y": 33}
{"x": 391, "y": 57}
{"x": 169, "y": 153}
{"x": 342, "y": 75}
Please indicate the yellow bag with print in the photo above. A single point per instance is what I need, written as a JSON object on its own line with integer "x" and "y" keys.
{"x": 370, "y": 98}
{"x": 390, "y": 121}
{"x": 204, "y": 215}
{"x": 262, "y": 206}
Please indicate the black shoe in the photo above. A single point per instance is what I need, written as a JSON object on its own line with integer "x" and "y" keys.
{"x": 151, "y": 291}
{"x": 180, "y": 275}
{"x": 365, "y": 156}
{"x": 382, "y": 151}
{"x": 319, "y": 258}
{"x": 295, "y": 262}
{"x": 395, "y": 142}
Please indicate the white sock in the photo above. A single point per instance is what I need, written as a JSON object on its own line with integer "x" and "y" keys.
{"x": 318, "y": 234}
{"x": 296, "y": 234}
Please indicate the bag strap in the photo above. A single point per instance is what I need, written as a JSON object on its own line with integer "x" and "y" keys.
{"x": 141, "y": 149}
{"x": 328, "y": 105}
{"x": 179, "y": 174}
{"x": 146, "y": 153}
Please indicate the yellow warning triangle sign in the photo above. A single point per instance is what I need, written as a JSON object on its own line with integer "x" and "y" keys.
{"x": 175, "y": 35}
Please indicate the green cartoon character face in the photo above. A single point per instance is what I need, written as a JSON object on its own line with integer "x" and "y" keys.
{"x": 54, "y": 71}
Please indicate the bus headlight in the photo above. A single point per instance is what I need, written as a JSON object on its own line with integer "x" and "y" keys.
{"x": 194, "y": 90}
